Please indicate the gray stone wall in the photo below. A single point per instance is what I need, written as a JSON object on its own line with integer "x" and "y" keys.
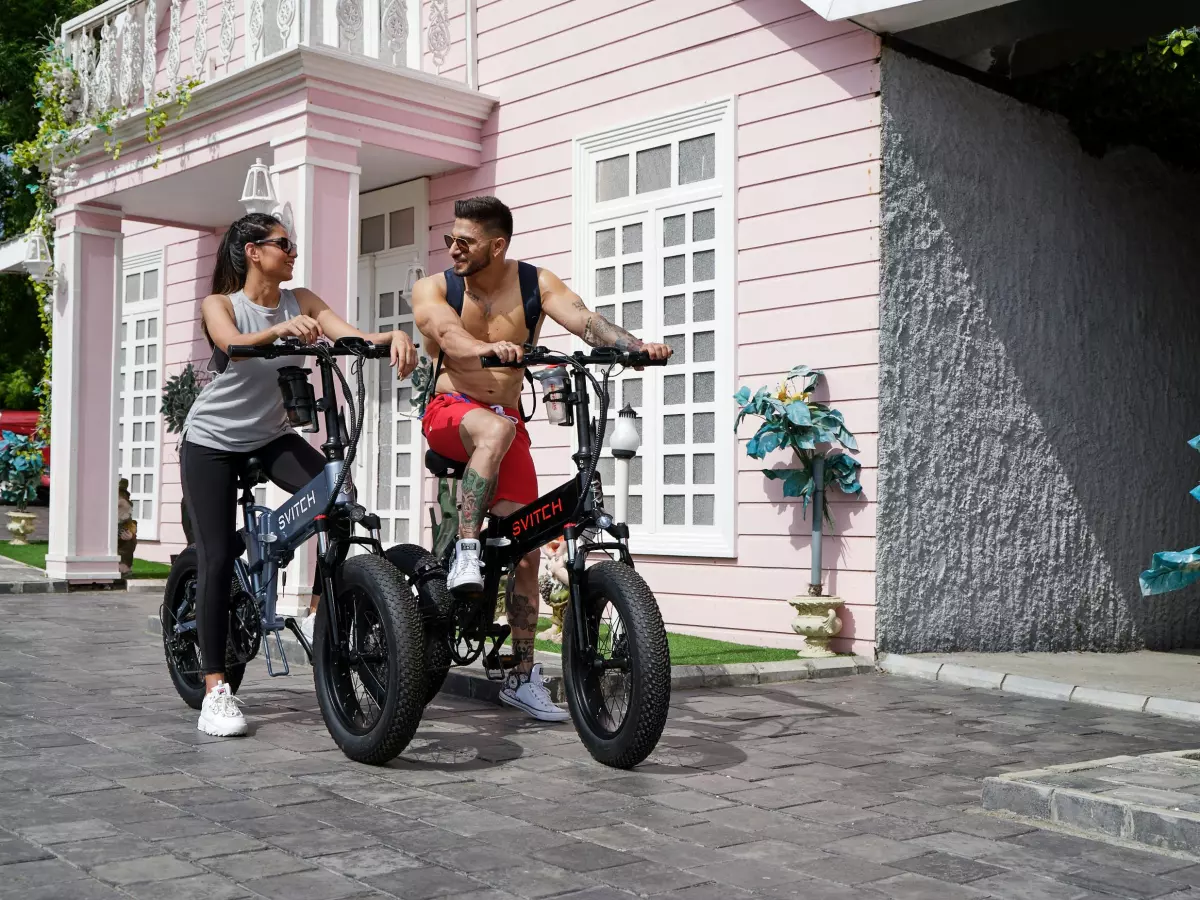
{"x": 1039, "y": 344}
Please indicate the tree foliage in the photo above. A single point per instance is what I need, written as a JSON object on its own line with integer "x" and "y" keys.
{"x": 1147, "y": 95}
{"x": 26, "y": 27}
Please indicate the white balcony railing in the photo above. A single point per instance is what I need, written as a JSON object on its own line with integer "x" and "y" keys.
{"x": 126, "y": 51}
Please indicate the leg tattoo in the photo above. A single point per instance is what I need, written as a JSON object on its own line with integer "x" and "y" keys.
{"x": 523, "y": 619}
{"x": 477, "y": 493}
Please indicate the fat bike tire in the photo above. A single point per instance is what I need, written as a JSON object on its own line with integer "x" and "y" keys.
{"x": 182, "y": 651}
{"x": 370, "y": 686}
{"x": 435, "y": 602}
{"x": 634, "y": 632}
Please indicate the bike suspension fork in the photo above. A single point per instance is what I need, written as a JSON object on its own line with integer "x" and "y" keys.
{"x": 326, "y": 571}
{"x": 575, "y": 564}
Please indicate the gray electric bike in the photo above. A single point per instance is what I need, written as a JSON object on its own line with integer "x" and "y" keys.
{"x": 368, "y": 644}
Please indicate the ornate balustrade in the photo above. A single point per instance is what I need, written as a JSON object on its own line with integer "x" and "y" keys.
{"x": 127, "y": 53}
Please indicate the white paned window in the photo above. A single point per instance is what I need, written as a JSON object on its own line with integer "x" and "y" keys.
{"x": 655, "y": 254}
{"x": 141, "y": 386}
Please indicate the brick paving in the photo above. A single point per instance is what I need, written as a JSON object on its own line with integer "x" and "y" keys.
{"x": 864, "y": 788}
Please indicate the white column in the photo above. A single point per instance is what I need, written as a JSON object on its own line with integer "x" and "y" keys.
{"x": 319, "y": 177}
{"x": 85, "y": 398}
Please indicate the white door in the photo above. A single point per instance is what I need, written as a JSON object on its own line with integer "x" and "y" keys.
{"x": 393, "y": 238}
{"x": 141, "y": 365}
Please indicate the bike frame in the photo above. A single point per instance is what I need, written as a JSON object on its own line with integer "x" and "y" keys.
{"x": 272, "y": 536}
{"x": 570, "y": 510}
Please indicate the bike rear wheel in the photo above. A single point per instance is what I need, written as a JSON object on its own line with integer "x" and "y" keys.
{"x": 182, "y": 651}
{"x": 371, "y": 683}
{"x": 620, "y": 696}
{"x": 435, "y": 602}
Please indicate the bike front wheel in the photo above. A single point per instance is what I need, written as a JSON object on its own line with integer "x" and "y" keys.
{"x": 619, "y": 695}
{"x": 435, "y": 603}
{"x": 371, "y": 681}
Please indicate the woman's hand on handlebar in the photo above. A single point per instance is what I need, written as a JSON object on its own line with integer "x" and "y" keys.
{"x": 303, "y": 327}
{"x": 403, "y": 352}
{"x": 505, "y": 351}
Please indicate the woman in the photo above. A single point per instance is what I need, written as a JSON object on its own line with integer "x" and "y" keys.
{"x": 240, "y": 414}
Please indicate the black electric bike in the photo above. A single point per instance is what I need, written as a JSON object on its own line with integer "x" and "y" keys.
{"x": 368, "y": 643}
{"x": 616, "y": 664}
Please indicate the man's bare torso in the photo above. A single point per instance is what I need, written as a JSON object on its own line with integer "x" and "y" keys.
{"x": 499, "y": 316}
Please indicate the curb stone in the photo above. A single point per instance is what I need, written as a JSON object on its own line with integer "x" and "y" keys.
{"x": 33, "y": 587}
{"x": 1100, "y": 816}
{"x": 976, "y": 677}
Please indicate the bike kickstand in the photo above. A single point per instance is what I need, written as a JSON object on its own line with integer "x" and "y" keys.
{"x": 287, "y": 670}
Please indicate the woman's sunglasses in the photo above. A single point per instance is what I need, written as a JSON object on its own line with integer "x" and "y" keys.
{"x": 287, "y": 245}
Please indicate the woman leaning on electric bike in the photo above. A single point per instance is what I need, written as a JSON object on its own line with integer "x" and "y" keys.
{"x": 240, "y": 414}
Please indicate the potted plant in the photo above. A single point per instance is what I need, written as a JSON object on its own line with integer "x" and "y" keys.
{"x": 21, "y": 468}
{"x": 179, "y": 393}
{"x": 818, "y": 439}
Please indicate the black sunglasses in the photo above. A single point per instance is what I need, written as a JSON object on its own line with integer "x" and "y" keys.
{"x": 287, "y": 245}
{"x": 464, "y": 244}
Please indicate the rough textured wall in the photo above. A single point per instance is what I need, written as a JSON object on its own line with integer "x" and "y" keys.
{"x": 1039, "y": 328}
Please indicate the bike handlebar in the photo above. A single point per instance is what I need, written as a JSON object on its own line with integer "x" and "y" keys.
{"x": 347, "y": 346}
{"x": 542, "y": 356}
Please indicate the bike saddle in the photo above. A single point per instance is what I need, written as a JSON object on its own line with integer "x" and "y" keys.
{"x": 441, "y": 467}
{"x": 254, "y": 473}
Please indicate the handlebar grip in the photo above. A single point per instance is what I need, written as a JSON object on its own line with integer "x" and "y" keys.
{"x": 494, "y": 362}
{"x": 245, "y": 350}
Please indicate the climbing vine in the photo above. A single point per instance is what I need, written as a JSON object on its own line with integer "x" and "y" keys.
{"x": 63, "y": 131}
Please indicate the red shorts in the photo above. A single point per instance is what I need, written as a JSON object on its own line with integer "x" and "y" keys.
{"x": 517, "y": 480}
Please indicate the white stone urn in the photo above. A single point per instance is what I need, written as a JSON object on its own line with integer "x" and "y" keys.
{"x": 21, "y": 525}
{"x": 817, "y": 620}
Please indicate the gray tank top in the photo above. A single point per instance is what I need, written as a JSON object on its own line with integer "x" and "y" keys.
{"x": 241, "y": 409}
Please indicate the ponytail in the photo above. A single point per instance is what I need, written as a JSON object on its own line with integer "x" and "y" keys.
{"x": 229, "y": 273}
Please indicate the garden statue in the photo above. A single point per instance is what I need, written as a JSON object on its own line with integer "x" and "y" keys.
{"x": 552, "y": 583}
{"x": 126, "y": 528}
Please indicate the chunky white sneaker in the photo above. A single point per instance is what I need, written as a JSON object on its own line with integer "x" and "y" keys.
{"x": 464, "y": 571}
{"x": 308, "y": 625}
{"x": 220, "y": 716}
{"x": 532, "y": 696}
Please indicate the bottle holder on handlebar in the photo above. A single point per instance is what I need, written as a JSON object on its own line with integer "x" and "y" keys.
{"x": 299, "y": 399}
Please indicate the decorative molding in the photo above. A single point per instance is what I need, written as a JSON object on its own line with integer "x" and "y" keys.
{"x": 392, "y": 126}
{"x": 395, "y": 30}
{"x": 285, "y": 17}
{"x": 256, "y": 19}
{"x": 150, "y": 52}
{"x": 131, "y": 60}
{"x": 200, "y": 40}
{"x": 438, "y": 34}
{"x": 173, "y": 46}
{"x": 228, "y": 33}
{"x": 106, "y": 67}
{"x": 317, "y": 135}
{"x": 316, "y": 162}
{"x": 350, "y": 19}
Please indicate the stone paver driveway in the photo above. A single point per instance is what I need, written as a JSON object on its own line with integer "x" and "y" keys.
{"x": 854, "y": 788}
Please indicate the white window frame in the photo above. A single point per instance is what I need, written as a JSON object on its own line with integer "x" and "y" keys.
{"x": 148, "y": 529}
{"x": 716, "y": 117}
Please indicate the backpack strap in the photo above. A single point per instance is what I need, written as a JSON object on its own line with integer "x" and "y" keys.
{"x": 531, "y": 300}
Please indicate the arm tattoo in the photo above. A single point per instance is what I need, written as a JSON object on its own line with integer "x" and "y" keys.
{"x": 477, "y": 494}
{"x": 599, "y": 332}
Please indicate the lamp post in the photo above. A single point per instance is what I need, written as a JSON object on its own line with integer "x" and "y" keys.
{"x": 624, "y": 442}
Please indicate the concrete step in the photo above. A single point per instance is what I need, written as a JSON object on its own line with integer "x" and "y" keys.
{"x": 1152, "y": 801}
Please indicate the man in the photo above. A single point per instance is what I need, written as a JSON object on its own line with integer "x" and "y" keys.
{"x": 488, "y": 305}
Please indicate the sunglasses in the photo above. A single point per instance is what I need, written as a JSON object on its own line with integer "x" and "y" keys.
{"x": 287, "y": 245}
{"x": 464, "y": 244}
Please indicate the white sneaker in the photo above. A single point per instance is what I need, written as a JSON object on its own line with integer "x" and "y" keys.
{"x": 308, "y": 626}
{"x": 533, "y": 696}
{"x": 464, "y": 572}
{"x": 220, "y": 716}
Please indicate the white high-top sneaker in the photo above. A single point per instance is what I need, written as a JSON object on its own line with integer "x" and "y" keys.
{"x": 465, "y": 574}
{"x": 220, "y": 716}
{"x": 532, "y": 696}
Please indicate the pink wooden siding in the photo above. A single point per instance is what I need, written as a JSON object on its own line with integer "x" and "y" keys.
{"x": 808, "y": 245}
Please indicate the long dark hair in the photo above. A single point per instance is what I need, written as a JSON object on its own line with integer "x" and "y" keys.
{"x": 229, "y": 274}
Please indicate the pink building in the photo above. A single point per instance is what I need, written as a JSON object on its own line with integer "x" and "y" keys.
{"x": 704, "y": 173}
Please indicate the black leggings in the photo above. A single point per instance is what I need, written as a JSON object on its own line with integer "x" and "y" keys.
{"x": 210, "y": 491}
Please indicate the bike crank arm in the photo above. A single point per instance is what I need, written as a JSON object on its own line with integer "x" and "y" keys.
{"x": 295, "y": 629}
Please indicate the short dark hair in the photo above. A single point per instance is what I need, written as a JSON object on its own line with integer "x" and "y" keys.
{"x": 488, "y": 212}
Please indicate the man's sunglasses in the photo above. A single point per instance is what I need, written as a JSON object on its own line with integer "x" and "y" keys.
{"x": 464, "y": 244}
{"x": 287, "y": 245}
